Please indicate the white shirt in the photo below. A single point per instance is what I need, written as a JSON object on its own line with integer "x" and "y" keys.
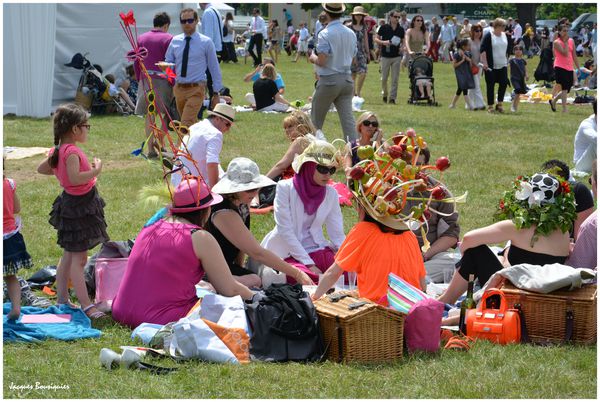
{"x": 230, "y": 32}
{"x": 204, "y": 145}
{"x": 585, "y": 145}
{"x": 304, "y": 34}
{"x": 258, "y": 26}
{"x": 285, "y": 240}
{"x": 517, "y": 32}
{"x": 499, "y": 45}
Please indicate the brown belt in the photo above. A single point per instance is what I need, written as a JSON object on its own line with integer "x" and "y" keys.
{"x": 190, "y": 85}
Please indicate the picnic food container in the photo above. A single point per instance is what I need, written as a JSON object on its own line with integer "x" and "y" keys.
{"x": 558, "y": 316}
{"x": 368, "y": 333}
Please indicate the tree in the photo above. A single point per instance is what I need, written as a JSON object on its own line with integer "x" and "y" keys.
{"x": 309, "y": 6}
{"x": 503, "y": 10}
{"x": 557, "y": 11}
{"x": 526, "y": 13}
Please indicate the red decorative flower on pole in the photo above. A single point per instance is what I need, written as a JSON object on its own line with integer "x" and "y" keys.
{"x": 128, "y": 19}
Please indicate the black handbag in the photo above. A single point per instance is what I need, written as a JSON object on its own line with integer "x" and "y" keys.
{"x": 284, "y": 325}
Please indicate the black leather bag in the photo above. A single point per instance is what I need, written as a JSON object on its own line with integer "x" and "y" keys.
{"x": 284, "y": 325}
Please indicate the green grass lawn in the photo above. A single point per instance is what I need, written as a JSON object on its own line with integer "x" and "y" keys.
{"x": 486, "y": 151}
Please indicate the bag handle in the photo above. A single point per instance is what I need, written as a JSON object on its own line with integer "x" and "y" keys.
{"x": 492, "y": 292}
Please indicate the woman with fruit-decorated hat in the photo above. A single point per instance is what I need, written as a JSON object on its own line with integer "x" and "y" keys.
{"x": 535, "y": 216}
{"x": 383, "y": 242}
{"x": 303, "y": 205}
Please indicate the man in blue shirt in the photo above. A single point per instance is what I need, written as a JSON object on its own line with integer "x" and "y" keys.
{"x": 212, "y": 25}
{"x": 193, "y": 53}
{"x": 336, "y": 47}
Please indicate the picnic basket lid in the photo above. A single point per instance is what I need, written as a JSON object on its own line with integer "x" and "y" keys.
{"x": 585, "y": 293}
{"x": 340, "y": 309}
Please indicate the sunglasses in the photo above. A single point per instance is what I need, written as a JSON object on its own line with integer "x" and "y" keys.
{"x": 395, "y": 16}
{"x": 151, "y": 97}
{"x": 187, "y": 20}
{"x": 368, "y": 123}
{"x": 326, "y": 170}
{"x": 477, "y": 30}
{"x": 418, "y": 20}
{"x": 519, "y": 48}
{"x": 179, "y": 128}
{"x": 227, "y": 123}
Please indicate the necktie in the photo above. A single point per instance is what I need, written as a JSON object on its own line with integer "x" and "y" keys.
{"x": 186, "y": 51}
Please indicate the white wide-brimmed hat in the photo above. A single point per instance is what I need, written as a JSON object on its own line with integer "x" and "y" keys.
{"x": 319, "y": 151}
{"x": 242, "y": 175}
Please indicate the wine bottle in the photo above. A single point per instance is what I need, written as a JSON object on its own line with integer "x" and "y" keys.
{"x": 467, "y": 304}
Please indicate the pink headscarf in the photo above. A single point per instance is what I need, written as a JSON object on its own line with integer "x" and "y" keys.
{"x": 311, "y": 194}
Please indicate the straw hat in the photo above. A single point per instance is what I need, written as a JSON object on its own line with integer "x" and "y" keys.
{"x": 359, "y": 10}
{"x": 193, "y": 194}
{"x": 223, "y": 110}
{"x": 242, "y": 175}
{"x": 334, "y": 8}
{"x": 319, "y": 151}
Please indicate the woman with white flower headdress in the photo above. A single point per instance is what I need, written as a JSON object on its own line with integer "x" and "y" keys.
{"x": 535, "y": 216}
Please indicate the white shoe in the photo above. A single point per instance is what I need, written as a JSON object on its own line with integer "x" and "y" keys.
{"x": 512, "y": 109}
{"x": 130, "y": 359}
{"x": 451, "y": 106}
{"x": 109, "y": 359}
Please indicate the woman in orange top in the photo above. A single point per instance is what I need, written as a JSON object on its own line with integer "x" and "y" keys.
{"x": 373, "y": 250}
{"x": 383, "y": 242}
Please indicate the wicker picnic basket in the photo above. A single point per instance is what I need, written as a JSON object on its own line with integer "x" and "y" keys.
{"x": 548, "y": 317}
{"x": 368, "y": 334}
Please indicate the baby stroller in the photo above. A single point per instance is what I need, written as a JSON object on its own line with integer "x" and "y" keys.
{"x": 94, "y": 91}
{"x": 421, "y": 66}
{"x": 545, "y": 69}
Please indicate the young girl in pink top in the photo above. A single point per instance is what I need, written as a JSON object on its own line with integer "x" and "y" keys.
{"x": 15, "y": 253}
{"x": 564, "y": 57}
{"x": 78, "y": 213}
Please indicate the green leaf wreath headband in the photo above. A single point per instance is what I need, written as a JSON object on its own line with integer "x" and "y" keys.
{"x": 543, "y": 200}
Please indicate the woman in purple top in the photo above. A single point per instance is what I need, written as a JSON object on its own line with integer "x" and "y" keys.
{"x": 169, "y": 258}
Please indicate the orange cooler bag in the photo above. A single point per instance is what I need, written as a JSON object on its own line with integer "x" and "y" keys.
{"x": 499, "y": 325}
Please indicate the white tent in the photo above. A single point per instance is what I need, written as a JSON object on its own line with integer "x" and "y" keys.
{"x": 40, "y": 38}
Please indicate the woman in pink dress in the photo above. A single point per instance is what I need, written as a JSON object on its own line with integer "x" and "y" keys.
{"x": 170, "y": 257}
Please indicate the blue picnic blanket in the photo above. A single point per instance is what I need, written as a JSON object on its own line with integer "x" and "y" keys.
{"x": 79, "y": 327}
